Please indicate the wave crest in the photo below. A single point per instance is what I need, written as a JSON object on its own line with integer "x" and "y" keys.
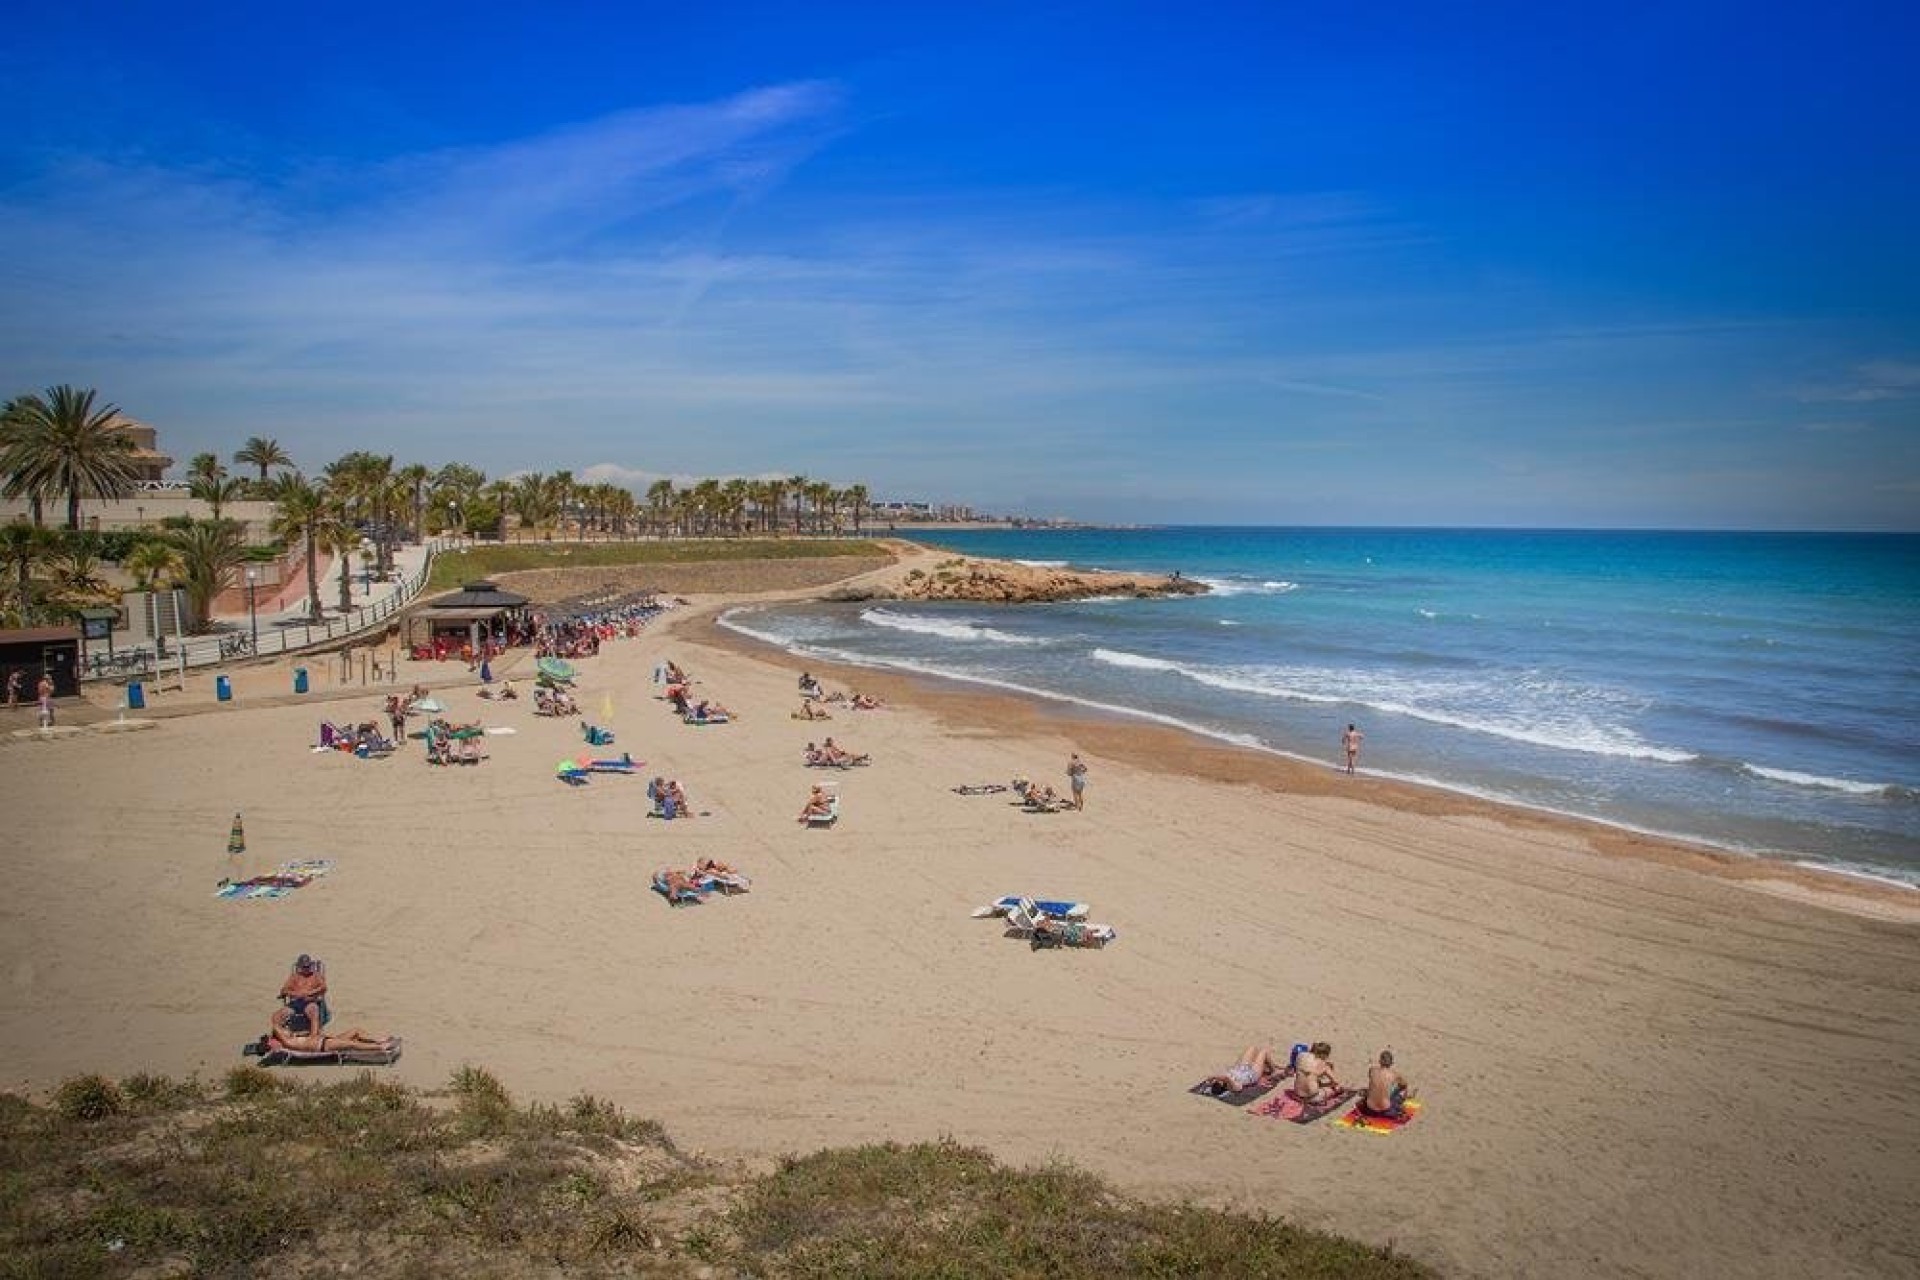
{"x": 945, "y": 628}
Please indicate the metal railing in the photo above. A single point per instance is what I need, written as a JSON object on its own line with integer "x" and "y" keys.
{"x": 221, "y": 647}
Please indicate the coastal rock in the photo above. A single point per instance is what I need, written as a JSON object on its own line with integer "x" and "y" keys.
{"x": 1006, "y": 582}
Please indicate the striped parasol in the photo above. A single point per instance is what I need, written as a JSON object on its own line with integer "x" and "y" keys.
{"x": 237, "y": 838}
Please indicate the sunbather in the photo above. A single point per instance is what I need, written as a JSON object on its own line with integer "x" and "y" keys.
{"x": 1313, "y": 1078}
{"x": 305, "y": 990}
{"x": 704, "y": 711}
{"x": 1256, "y": 1066}
{"x": 819, "y": 805}
{"x": 1387, "y": 1089}
{"x": 808, "y": 711}
{"x": 676, "y": 882}
{"x": 861, "y": 702}
{"x": 282, "y": 1030}
{"x": 836, "y": 755}
{"x": 676, "y": 676}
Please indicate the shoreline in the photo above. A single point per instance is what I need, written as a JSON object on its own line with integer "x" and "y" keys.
{"x": 1605, "y": 1043}
{"x": 1773, "y": 872}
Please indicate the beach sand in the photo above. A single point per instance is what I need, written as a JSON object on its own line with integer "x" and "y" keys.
{"x": 1633, "y": 1064}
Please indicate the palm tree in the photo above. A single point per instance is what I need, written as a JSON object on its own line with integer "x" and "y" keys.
{"x": 205, "y": 466}
{"x": 68, "y": 447}
{"x": 23, "y": 549}
{"x": 414, "y": 478}
{"x": 821, "y": 497}
{"x": 217, "y": 490}
{"x": 340, "y": 539}
{"x": 857, "y": 499}
{"x": 152, "y": 562}
{"x": 77, "y": 580}
{"x": 13, "y": 461}
{"x": 210, "y": 550}
{"x": 659, "y": 503}
{"x": 263, "y": 453}
{"x": 797, "y": 486}
{"x": 302, "y": 510}
{"x": 534, "y": 500}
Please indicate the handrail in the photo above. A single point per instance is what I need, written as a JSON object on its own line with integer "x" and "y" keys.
{"x": 221, "y": 648}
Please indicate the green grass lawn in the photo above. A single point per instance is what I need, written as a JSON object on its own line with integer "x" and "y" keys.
{"x": 459, "y": 567}
{"x": 349, "y": 1174}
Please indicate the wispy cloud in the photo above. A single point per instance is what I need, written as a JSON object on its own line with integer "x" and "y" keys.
{"x": 1867, "y": 383}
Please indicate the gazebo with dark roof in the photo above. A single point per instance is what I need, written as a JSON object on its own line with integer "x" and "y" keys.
{"x": 467, "y": 613}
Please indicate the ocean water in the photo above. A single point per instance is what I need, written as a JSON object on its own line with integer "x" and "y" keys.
{"x": 1760, "y": 692}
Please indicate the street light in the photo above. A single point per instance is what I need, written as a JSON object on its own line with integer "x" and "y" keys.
{"x": 253, "y": 618}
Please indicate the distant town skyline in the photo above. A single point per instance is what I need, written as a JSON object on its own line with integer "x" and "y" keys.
{"x": 1258, "y": 264}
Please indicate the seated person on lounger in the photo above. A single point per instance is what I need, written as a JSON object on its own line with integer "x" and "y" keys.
{"x": 809, "y": 687}
{"x": 306, "y": 985}
{"x": 818, "y": 805}
{"x": 677, "y": 883}
{"x": 281, "y": 1031}
{"x": 709, "y": 711}
{"x": 840, "y": 756}
{"x": 1313, "y": 1078}
{"x": 1387, "y": 1089}
{"x": 1256, "y": 1066}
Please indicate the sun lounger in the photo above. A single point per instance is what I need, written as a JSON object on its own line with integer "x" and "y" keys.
{"x": 1058, "y": 908}
{"x": 1026, "y": 920}
{"x": 274, "y": 1054}
{"x": 827, "y": 819}
{"x": 674, "y": 897}
{"x": 690, "y": 718}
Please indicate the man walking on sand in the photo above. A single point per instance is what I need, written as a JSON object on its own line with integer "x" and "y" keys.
{"x": 45, "y": 692}
{"x": 1077, "y": 778}
{"x": 1350, "y": 741}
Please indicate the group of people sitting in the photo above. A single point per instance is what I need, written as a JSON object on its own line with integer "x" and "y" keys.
{"x": 300, "y": 1023}
{"x": 449, "y": 743}
{"x": 669, "y": 801}
{"x": 551, "y": 701}
{"x": 811, "y": 692}
{"x": 362, "y": 739}
{"x": 1312, "y": 1081}
{"x": 708, "y": 875}
{"x": 830, "y": 756}
{"x": 1040, "y": 799}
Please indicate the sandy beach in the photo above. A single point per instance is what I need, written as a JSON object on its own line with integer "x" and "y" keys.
{"x": 1637, "y": 1058}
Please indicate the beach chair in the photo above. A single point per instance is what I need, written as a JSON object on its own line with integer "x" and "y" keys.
{"x": 1026, "y": 920}
{"x": 674, "y": 897}
{"x": 831, "y": 816}
{"x": 1057, "y": 908}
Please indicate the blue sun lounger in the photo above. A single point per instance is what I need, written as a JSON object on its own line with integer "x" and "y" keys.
{"x": 1058, "y": 908}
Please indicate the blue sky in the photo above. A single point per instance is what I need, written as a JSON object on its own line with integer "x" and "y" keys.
{"x": 1625, "y": 265}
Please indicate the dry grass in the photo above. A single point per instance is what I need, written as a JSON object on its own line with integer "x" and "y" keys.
{"x": 149, "y": 1176}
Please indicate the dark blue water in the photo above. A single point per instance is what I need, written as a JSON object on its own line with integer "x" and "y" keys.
{"x": 1757, "y": 691}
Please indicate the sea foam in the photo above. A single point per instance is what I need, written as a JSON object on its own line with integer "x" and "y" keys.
{"x": 945, "y": 628}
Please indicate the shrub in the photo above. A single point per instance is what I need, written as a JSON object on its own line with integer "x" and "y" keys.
{"x": 252, "y": 1082}
{"x": 88, "y": 1098}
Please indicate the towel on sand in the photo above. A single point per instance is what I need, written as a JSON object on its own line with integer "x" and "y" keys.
{"x": 1288, "y": 1107}
{"x": 1212, "y": 1088}
{"x": 1358, "y": 1119}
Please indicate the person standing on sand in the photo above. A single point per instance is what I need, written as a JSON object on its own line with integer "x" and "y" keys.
{"x": 1077, "y": 779}
{"x": 1350, "y": 743}
{"x": 45, "y": 692}
{"x": 16, "y": 685}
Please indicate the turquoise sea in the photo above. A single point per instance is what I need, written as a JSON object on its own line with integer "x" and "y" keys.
{"x": 1756, "y": 691}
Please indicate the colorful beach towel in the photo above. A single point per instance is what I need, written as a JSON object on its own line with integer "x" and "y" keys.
{"x": 1366, "y": 1123}
{"x": 290, "y": 876}
{"x": 1288, "y": 1107}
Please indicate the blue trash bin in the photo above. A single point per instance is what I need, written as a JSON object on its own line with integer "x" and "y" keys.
{"x": 136, "y": 696}
{"x": 299, "y": 679}
{"x": 223, "y": 688}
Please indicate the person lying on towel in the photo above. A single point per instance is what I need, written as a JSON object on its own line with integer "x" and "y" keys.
{"x": 840, "y": 756}
{"x": 1387, "y": 1090}
{"x": 1256, "y": 1066}
{"x": 281, "y": 1030}
{"x": 1313, "y": 1078}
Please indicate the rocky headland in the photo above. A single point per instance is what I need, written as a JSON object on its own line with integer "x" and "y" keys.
{"x": 1008, "y": 582}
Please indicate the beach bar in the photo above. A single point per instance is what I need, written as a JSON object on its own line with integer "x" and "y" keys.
{"x": 460, "y": 621}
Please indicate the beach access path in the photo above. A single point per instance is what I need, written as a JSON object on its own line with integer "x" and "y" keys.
{"x": 1615, "y": 1050}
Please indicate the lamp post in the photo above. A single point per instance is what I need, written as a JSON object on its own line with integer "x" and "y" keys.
{"x": 253, "y": 618}
{"x": 453, "y": 521}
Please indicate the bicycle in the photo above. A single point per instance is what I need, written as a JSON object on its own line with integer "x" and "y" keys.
{"x": 236, "y": 646}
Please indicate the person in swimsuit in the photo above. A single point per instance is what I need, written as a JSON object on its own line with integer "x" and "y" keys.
{"x": 818, "y": 805}
{"x": 282, "y": 1029}
{"x": 1350, "y": 743}
{"x": 1387, "y": 1089}
{"x": 1255, "y": 1065}
{"x": 1313, "y": 1078}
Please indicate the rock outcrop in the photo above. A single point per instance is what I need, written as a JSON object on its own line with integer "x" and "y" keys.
{"x": 1007, "y": 582}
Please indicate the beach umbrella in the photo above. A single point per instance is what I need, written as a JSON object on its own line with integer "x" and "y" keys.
{"x": 237, "y": 838}
{"x": 606, "y": 707}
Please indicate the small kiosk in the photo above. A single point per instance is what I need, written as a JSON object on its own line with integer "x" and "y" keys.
{"x": 455, "y": 625}
{"x": 54, "y": 651}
